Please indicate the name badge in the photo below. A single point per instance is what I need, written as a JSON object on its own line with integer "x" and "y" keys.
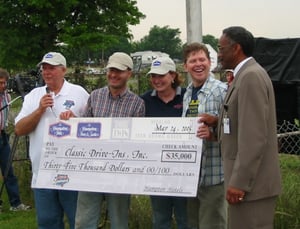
{"x": 226, "y": 122}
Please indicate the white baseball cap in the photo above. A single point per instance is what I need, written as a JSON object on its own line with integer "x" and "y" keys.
{"x": 54, "y": 58}
{"x": 120, "y": 60}
{"x": 162, "y": 65}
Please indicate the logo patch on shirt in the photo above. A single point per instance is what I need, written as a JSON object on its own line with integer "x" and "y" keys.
{"x": 68, "y": 104}
{"x": 178, "y": 106}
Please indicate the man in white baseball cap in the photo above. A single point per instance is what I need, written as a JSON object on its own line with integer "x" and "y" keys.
{"x": 54, "y": 58}
{"x": 162, "y": 65}
{"x": 56, "y": 97}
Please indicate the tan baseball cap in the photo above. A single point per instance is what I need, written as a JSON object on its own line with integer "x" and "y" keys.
{"x": 162, "y": 65}
{"x": 120, "y": 60}
{"x": 54, "y": 58}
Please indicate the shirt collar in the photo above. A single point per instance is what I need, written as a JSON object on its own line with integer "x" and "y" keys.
{"x": 64, "y": 89}
{"x": 120, "y": 95}
{"x": 178, "y": 91}
{"x": 240, "y": 65}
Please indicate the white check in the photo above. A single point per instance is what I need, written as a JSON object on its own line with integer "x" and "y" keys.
{"x": 147, "y": 156}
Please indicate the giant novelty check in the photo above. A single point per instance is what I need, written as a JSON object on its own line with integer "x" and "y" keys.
{"x": 148, "y": 156}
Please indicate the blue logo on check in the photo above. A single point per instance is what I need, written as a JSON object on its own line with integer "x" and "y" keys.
{"x": 89, "y": 130}
{"x": 59, "y": 129}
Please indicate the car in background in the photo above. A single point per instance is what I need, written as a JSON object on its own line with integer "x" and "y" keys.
{"x": 95, "y": 71}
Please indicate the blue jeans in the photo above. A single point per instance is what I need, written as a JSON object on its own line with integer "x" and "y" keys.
{"x": 163, "y": 208}
{"x": 51, "y": 205}
{"x": 89, "y": 210}
{"x": 11, "y": 182}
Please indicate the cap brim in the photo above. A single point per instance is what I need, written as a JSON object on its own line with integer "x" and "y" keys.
{"x": 48, "y": 62}
{"x": 117, "y": 66}
{"x": 157, "y": 71}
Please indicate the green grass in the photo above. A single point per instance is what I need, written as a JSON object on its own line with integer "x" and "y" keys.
{"x": 18, "y": 220}
{"x": 288, "y": 207}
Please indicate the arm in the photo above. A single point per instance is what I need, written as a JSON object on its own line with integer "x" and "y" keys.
{"x": 66, "y": 115}
{"x": 208, "y": 119}
{"x": 207, "y": 123}
{"x": 205, "y": 132}
{"x": 27, "y": 124}
{"x": 234, "y": 195}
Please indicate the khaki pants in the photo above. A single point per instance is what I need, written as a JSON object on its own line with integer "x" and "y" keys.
{"x": 209, "y": 209}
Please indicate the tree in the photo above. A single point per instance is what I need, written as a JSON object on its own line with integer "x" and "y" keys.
{"x": 29, "y": 28}
{"x": 123, "y": 45}
{"x": 162, "y": 39}
{"x": 210, "y": 39}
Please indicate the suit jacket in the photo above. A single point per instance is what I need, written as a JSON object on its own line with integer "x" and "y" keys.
{"x": 250, "y": 150}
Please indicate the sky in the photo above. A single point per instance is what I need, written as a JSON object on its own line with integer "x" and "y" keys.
{"x": 264, "y": 18}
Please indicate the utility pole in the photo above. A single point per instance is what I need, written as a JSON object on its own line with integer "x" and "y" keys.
{"x": 193, "y": 21}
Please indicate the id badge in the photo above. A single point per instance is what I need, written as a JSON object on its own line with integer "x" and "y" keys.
{"x": 226, "y": 122}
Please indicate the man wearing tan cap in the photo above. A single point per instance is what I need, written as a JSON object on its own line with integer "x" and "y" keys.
{"x": 44, "y": 102}
{"x": 113, "y": 100}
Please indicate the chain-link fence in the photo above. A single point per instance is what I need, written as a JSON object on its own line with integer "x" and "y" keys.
{"x": 288, "y": 135}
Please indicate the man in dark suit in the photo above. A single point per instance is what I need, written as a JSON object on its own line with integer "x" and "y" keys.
{"x": 247, "y": 134}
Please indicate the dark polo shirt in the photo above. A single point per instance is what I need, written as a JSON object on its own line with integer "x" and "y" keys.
{"x": 155, "y": 107}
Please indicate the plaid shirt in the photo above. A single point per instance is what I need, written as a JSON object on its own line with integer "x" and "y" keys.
{"x": 210, "y": 97}
{"x": 102, "y": 104}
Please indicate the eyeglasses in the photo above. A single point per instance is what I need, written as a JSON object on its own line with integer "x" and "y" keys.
{"x": 222, "y": 48}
